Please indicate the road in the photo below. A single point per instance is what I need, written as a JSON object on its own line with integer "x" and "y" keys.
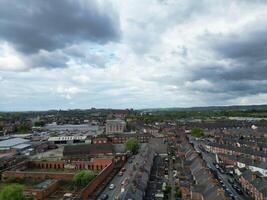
{"x": 117, "y": 180}
{"x": 210, "y": 158}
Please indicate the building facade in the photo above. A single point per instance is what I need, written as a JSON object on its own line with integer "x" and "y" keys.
{"x": 115, "y": 126}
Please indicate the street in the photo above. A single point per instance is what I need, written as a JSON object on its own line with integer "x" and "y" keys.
{"x": 128, "y": 174}
{"x": 210, "y": 159}
{"x": 117, "y": 182}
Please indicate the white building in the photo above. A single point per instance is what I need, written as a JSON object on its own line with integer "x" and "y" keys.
{"x": 69, "y": 139}
{"x": 115, "y": 126}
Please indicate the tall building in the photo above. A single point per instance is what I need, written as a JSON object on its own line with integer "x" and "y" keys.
{"x": 115, "y": 126}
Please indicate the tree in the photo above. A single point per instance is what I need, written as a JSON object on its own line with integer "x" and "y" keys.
{"x": 197, "y": 132}
{"x": 39, "y": 123}
{"x": 130, "y": 126}
{"x": 178, "y": 192}
{"x": 131, "y": 145}
{"x": 168, "y": 189}
{"x": 23, "y": 127}
{"x": 13, "y": 192}
{"x": 83, "y": 177}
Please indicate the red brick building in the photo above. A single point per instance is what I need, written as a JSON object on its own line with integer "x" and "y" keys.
{"x": 100, "y": 140}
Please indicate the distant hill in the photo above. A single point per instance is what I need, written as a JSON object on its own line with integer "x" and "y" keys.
{"x": 211, "y": 108}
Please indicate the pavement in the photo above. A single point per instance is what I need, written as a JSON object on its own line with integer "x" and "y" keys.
{"x": 210, "y": 159}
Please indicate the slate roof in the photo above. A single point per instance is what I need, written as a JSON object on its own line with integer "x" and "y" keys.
{"x": 136, "y": 187}
{"x": 87, "y": 149}
{"x": 245, "y": 150}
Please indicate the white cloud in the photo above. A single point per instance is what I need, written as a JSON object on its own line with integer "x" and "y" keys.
{"x": 68, "y": 91}
{"x": 10, "y": 59}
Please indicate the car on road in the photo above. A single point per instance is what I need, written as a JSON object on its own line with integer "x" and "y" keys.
{"x": 124, "y": 182}
{"x": 104, "y": 197}
{"x": 112, "y": 186}
{"x": 238, "y": 190}
{"x": 175, "y": 173}
{"x": 120, "y": 173}
{"x": 221, "y": 170}
{"x": 231, "y": 181}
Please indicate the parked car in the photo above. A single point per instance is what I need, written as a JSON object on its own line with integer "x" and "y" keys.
{"x": 124, "y": 182}
{"x": 123, "y": 169}
{"x": 237, "y": 189}
{"x": 120, "y": 173}
{"x": 104, "y": 197}
{"x": 230, "y": 180}
{"x": 111, "y": 186}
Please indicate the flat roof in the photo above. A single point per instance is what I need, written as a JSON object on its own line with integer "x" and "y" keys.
{"x": 12, "y": 142}
{"x": 21, "y": 146}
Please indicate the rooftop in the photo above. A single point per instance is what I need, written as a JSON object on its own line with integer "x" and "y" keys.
{"x": 12, "y": 142}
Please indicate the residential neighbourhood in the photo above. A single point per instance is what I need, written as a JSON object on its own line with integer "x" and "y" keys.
{"x": 130, "y": 158}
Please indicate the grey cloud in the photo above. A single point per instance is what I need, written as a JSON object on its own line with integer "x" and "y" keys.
{"x": 242, "y": 66}
{"x": 33, "y": 25}
{"x": 249, "y": 47}
{"x": 245, "y": 52}
{"x": 47, "y": 59}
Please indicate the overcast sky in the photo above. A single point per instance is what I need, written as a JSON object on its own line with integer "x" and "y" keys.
{"x": 132, "y": 54}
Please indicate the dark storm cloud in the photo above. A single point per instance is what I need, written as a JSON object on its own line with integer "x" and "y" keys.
{"x": 32, "y": 25}
{"x": 242, "y": 66}
{"x": 246, "y": 53}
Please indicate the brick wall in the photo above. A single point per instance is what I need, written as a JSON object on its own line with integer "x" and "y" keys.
{"x": 38, "y": 175}
{"x": 90, "y": 188}
{"x": 94, "y": 164}
{"x": 227, "y": 161}
{"x": 40, "y": 194}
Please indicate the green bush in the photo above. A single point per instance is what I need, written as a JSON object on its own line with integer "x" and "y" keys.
{"x": 13, "y": 192}
{"x": 131, "y": 145}
{"x": 197, "y": 132}
{"x": 83, "y": 177}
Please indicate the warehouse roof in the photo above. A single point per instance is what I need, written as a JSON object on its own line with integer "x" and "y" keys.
{"x": 12, "y": 142}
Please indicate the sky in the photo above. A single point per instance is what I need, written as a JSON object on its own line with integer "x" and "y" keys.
{"x": 69, "y": 54}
